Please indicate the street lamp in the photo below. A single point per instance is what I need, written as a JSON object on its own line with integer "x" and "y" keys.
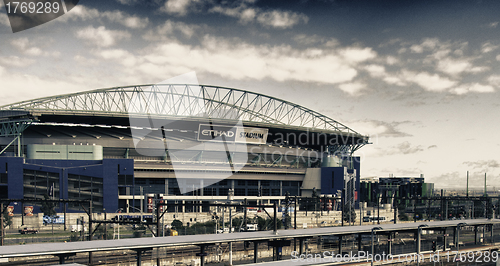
{"x": 419, "y": 233}
{"x": 373, "y": 250}
{"x": 118, "y": 225}
{"x": 458, "y": 243}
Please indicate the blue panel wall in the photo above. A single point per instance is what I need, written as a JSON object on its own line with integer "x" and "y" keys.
{"x": 329, "y": 175}
{"x": 107, "y": 169}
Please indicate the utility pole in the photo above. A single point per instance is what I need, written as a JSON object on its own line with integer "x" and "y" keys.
{"x": 467, "y": 192}
{"x": 485, "y": 193}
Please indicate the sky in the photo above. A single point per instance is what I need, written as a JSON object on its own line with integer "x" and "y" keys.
{"x": 421, "y": 78}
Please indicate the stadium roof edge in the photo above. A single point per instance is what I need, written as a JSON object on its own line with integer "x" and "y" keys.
{"x": 186, "y": 100}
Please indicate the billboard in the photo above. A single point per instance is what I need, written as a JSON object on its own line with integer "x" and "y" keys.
{"x": 28, "y": 210}
{"x": 253, "y": 135}
{"x": 10, "y": 210}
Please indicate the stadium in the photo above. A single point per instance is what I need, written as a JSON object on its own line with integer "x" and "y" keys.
{"x": 121, "y": 147}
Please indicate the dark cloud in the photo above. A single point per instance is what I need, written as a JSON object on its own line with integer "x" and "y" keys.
{"x": 406, "y": 148}
{"x": 483, "y": 164}
{"x": 447, "y": 180}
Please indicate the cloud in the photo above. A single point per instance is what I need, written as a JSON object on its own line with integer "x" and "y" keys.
{"x": 243, "y": 61}
{"x": 376, "y": 128}
{"x": 492, "y": 25}
{"x": 26, "y": 47}
{"x": 127, "y": 20}
{"x": 494, "y": 80}
{"x": 476, "y": 87}
{"x": 429, "y": 82}
{"x": 179, "y": 7}
{"x": 16, "y": 61}
{"x": 447, "y": 180}
{"x": 246, "y": 13}
{"x": 352, "y": 88}
{"x": 281, "y": 19}
{"x": 488, "y": 47}
{"x": 308, "y": 39}
{"x": 483, "y": 164}
{"x": 4, "y": 19}
{"x": 432, "y": 147}
{"x": 427, "y": 44}
{"x": 167, "y": 30}
{"x": 81, "y": 12}
{"x": 128, "y": 2}
{"x": 404, "y": 148}
{"x": 100, "y": 36}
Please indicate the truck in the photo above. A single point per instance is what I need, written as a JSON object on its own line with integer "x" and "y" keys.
{"x": 77, "y": 228}
{"x": 251, "y": 228}
{"x": 27, "y": 230}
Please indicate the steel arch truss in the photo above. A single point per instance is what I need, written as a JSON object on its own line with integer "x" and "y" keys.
{"x": 184, "y": 101}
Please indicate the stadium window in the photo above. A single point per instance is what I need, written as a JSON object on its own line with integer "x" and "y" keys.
{"x": 241, "y": 183}
{"x": 140, "y": 181}
{"x": 223, "y": 191}
{"x": 253, "y": 192}
{"x": 3, "y": 179}
{"x": 223, "y": 183}
{"x": 333, "y": 179}
{"x": 239, "y": 192}
{"x": 264, "y": 183}
{"x": 253, "y": 183}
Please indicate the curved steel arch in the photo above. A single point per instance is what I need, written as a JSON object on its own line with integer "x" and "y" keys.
{"x": 185, "y": 100}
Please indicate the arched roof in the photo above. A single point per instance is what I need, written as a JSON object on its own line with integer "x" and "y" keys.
{"x": 185, "y": 100}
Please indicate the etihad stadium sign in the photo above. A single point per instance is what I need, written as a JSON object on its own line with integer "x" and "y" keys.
{"x": 250, "y": 135}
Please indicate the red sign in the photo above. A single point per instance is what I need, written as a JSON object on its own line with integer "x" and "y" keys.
{"x": 10, "y": 210}
{"x": 28, "y": 210}
{"x": 150, "y": 204}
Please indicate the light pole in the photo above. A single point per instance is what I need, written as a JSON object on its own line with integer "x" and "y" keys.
{"x": 135, "y": 208}
{"x": 458, "y": 241}
{"x": 373, "y": 250}
{"x": 118, "y": 224}
{"x": 419, "y": 234}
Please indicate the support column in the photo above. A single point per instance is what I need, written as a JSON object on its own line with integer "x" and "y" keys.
{"x": 492, "y": 235}
{"x": 255, "y": 251}
{"x": 139, "y": 256}
{"x": 444, "y": 240}
{"x": 360, "y": 241}
{"x": 1, "y": 223}
{"x": 475, "y": 235}
{"x": 455, "y": 230}
{"x": 418, "y": 243}
{"x": 389, "y": 243}
{"x": 340, "y": 244}
{"x": 202, "y": 257}
{"x": 301, "y": 246}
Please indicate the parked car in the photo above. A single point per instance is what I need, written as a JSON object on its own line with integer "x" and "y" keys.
{"x": 27, "y": 230}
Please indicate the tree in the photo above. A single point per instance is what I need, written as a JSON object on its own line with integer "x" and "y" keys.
{"x": 7, "y": 220}
{"x": 349, "y": 209}
{"x": 177, "y": 225}
{"x": 287, "y": 221}
{"x": 48, "y": 208}
{"x": 315, "y": 198}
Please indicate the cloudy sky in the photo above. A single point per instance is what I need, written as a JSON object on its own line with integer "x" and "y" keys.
{"x": 420, "y": 77}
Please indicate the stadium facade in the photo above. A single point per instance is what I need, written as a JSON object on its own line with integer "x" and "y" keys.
{"x": 122, "y": 146}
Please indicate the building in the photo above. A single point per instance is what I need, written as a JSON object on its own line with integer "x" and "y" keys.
{"x": 123, "y": 146}
{"x": 387, "y": 188}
